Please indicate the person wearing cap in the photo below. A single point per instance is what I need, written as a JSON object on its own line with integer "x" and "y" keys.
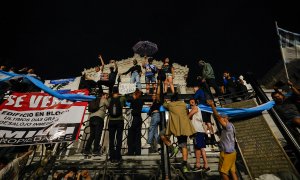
{"x": 207, "y": 77}
{"x": 136, "y": 72}
{"x": 226, "y": 145}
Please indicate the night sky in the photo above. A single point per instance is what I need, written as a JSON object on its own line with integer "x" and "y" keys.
{"x": 61, "y": 38}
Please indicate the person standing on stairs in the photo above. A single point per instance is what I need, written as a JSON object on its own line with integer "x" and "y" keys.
{"x": 226, "y": 144}
{"x": 199, "y": 138}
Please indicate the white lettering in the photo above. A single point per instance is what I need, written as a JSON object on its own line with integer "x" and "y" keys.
{"x": 35, "y": 101}
{"x": 11, "y": 134}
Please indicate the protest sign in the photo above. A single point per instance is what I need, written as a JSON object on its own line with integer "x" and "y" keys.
{"x": 37, "y": 118}
{"x": 127, "y": 88}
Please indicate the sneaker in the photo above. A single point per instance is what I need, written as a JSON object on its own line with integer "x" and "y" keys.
{"x": 146, "y": 146}
{"x": 197, "y": 169}
{"x": 206, "y": 170}
{"x": 158, "y": 147}
{"x": 97, "y": 153}
{"x": 174, "y": 152}
{"x": 185, "y": 169}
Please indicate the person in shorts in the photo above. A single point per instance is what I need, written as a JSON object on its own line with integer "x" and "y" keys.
{"x": 199, "y": 138}
{"x": 151, "y": 70}
{"x": 226, "y": 144}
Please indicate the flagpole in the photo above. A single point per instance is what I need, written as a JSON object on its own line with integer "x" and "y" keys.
{"x": 283, "y": 59}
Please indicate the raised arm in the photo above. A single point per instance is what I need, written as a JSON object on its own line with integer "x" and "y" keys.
{"x": 294, "y": 90}
{"x": 216, "y": 114}
{"x": 102, "y": 62}
{"x": 25, "y": 155}
{"x": 116, "y": 66}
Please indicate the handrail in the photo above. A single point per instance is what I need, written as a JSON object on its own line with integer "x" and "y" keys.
{"x": 287, "y": 134}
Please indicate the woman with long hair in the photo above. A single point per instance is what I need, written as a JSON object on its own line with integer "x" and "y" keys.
{"x": 169, "y": 71}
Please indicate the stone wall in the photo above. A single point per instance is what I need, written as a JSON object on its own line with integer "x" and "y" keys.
{"x": 181, "y": 72}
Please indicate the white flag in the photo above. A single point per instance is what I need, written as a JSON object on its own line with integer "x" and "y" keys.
{"x": 290, "y": 45}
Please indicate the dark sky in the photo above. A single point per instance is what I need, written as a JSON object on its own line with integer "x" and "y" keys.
{"x": 60, "y": 38}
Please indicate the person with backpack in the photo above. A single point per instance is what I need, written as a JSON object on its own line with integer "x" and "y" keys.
{"x": 134, "y": 131}
{"x": 151, "y": 70}
{"x": 155, "y": 121}
{"x": 115, "y": 126}
{"x": 97, "y": 108}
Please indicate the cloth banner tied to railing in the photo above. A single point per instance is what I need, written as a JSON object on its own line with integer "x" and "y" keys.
{"x": 231, "y": 112}
{"x": 38, "y": 118}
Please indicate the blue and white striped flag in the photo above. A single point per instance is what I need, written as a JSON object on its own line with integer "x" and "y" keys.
{"x": 290, "y": 45}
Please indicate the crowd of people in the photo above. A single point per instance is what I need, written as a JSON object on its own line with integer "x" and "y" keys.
{"x": 183, "y": 123}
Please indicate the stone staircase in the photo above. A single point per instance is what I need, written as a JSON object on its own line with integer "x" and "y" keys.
{"x": 258, "y": 145}
{"x": 146, "y": 166}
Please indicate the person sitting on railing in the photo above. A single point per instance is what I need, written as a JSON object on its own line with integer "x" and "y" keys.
{"x": 286, "y": 106}
{"x": 229, "y": 87}
{"x": 241, "y": 89}
{"x": 151, "y": 70}
{"x": 169, "y": 71}
{"x": 29, "y": 86}
{"x": 207, "y": 78}
{"x": 135, "y": 128}
{"x": 180, "y": 126}
{"x": 136, "y": 72}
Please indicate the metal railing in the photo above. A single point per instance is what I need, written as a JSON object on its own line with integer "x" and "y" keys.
{"x": 289, "y": 136}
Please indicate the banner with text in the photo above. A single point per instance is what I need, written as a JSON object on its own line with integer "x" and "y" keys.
{"x": 127, "y": 88}
{"x": 37, "y": 118}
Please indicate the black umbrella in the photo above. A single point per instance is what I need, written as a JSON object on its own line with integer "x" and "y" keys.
{"x": 145, "y": 48}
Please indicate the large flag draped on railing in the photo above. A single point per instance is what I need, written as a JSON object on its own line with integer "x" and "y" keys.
{"x": 4, "y": 76}
{"x": 231, "y": 112}
{"x": 38, "y": 118}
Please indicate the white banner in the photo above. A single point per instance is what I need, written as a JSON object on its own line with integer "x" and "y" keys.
{"x": 127, "y": 88}
{"x": 290, "y": 45}
{"x": 63, "y": 85}
{"x": 37, "y": 118}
